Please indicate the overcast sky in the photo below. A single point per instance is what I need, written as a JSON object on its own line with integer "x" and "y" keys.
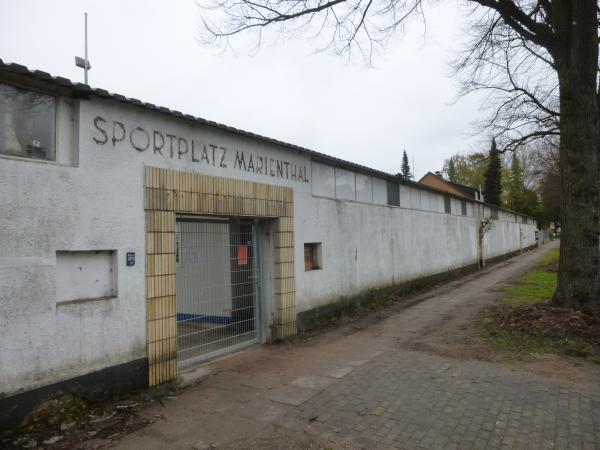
{"x": 149, "y": 50}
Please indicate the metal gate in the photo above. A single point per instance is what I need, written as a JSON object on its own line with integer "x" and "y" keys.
{"x": 217, "y": 287}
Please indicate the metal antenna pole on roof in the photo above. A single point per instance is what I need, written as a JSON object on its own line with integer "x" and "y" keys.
{"x": 85, "y": 71}
{"x": 84, "y": 63}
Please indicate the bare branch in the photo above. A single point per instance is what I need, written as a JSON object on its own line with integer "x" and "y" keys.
{"x": 511, "y": 54}
{"x": 523, "y": 23}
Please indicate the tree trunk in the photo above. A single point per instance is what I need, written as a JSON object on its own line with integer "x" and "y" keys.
{"x": 576, "y": 56}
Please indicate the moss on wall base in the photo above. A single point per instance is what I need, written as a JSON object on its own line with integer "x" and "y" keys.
{"x": 74, "y": 392}
{"x": 376, "y": 297}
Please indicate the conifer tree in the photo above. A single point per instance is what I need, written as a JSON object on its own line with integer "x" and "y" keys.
{"x": 516, "y": 186}
{"x": 405, "y": 170}
{"x": 492, "y": 187}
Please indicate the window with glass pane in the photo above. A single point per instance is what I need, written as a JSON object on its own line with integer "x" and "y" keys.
{"x": 27, "y": 123}
{"x": 447, "y": 204}
{"x": 393, "y": 193}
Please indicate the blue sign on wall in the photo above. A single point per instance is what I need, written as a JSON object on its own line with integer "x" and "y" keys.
{"x": 130, "y": 258}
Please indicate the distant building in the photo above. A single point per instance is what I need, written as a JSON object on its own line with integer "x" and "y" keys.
{"x": 437, "y": 181}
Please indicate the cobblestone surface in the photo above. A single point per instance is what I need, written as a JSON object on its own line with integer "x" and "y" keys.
{"x": 360, "y": 387}
{"x": 413, "y": 400}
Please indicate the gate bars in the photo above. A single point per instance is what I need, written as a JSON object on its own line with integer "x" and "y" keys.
{"x": 168, "y": 192}
{"x": 217, "y": 287}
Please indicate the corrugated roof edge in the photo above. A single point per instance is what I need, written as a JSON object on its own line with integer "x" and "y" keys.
{"x": 81, "y": 88}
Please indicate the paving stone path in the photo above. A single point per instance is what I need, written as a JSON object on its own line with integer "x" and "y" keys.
{"x": 413, "y": 400}
{"x": 362, "y": 388}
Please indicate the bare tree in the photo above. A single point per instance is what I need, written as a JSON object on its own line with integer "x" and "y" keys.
{"x": 518, "y": 77}
{"x": 538, "y": 59}
{"x": 537, "y": 159}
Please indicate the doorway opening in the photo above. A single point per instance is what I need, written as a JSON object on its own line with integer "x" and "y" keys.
{"x": 217, "y": 286}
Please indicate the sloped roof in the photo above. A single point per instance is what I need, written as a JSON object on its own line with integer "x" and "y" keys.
{"x": 468, "y": 191}
{"x": 81, "y": 90}
{"x": 64, "y": 86}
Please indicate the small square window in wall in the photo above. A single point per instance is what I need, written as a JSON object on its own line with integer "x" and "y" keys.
{"x": 27, "y": 123}
{"x": 447, "y": 203}
{"x": 312, "y": 256}
{"x": 463, "y": 207}
{"x": 393, "y": 193}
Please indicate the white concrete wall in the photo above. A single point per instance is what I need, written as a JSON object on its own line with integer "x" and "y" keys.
{"x": 203, "y": 287}
{"x": 92, "y": 199}
{"x": 366, "y": 245}
{"x": 86, "y": 275}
